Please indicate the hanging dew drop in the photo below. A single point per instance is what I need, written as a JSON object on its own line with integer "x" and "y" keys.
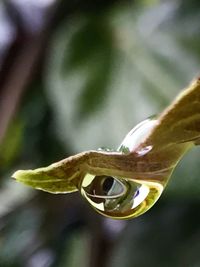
{"x": 122, "y": 198}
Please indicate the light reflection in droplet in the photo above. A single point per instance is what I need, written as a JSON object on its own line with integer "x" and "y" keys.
{"x": 122, "y": 198}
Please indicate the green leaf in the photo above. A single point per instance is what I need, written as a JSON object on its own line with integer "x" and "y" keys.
{"x": 51, "y": 179}
{"x": 176, "y": 132}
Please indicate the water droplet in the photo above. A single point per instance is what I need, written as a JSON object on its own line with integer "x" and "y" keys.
{"x": 124, "y": 198}
{"x": 136, "y": 136}
{"x": 120, "y": 198}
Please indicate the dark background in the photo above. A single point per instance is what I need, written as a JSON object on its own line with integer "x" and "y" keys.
{"x": 78, "y": 75}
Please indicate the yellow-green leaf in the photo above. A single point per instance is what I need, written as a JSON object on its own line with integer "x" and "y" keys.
{"x": 177, "y": 130}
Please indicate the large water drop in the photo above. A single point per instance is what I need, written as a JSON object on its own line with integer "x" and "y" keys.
{"x": 122, "y": 198}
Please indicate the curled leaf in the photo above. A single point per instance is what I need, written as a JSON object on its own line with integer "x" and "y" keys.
{"x": 176, "y": 131}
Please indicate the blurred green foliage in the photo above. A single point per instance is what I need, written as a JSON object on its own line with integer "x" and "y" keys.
{"x": 106, "y": 67}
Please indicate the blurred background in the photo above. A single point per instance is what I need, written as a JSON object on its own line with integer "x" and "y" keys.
{"x": 78, "y": 75}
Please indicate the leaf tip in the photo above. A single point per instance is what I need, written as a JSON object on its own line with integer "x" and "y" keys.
{"x": 20, "y": 175}
{"x": 16, "y": 174}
